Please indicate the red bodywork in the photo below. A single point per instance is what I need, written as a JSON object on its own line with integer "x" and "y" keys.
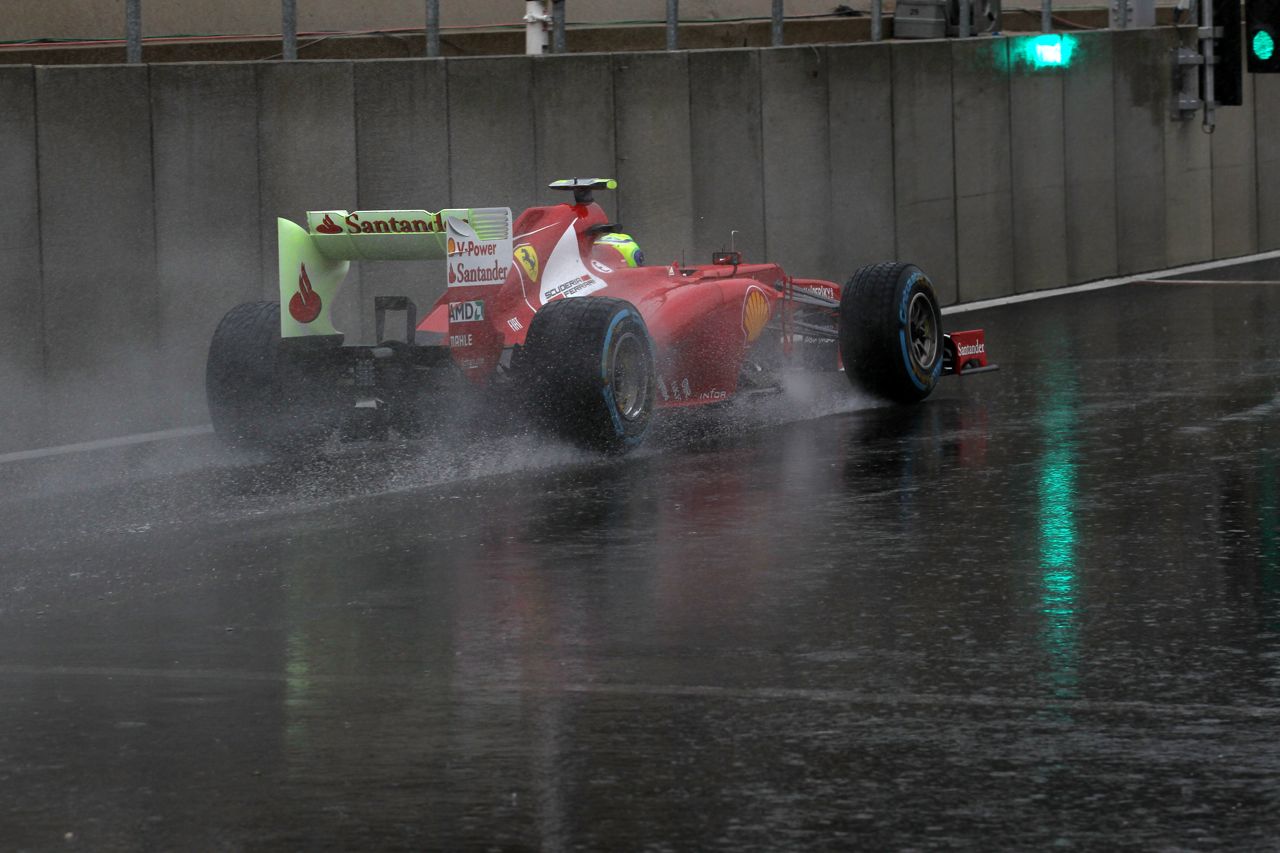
{"x": 969, "y": 350}
{"x": 702, "y": 319}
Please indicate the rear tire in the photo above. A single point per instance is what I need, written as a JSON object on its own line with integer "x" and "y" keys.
{"x": 588, "y": 369}
{"x": 259, "y": 399}
{"x": 891, "y": 332}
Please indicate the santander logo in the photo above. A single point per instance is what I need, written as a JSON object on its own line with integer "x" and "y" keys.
{"x": 305, "y": 305}
{"x": 328, "y": 226}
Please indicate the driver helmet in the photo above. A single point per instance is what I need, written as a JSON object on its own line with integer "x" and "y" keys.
{"x": 617, "y": 249}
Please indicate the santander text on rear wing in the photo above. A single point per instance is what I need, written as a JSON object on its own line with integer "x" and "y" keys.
{"x": 314, "y": 261}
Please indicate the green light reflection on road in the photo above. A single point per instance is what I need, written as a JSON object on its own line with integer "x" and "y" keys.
{"x": 1057, "y": 509}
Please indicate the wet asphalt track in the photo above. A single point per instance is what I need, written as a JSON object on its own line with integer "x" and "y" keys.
{"x": 1042, "y": 609}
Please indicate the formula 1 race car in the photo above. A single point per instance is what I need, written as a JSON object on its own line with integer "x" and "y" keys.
{"x": 556, "y": 313}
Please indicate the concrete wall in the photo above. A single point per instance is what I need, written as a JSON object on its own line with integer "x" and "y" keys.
{"x": 141, "y": 201}
{"x": 22, "y": 365}
{"x": 99, "y": 286}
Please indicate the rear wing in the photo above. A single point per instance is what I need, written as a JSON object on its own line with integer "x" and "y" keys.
{"x": 314, "y": 261}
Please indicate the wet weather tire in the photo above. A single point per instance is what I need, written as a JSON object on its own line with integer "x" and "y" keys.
{"x": 588, "y": 369}
{"x": 259, "y": 399}
{"x": 891, "y": 332}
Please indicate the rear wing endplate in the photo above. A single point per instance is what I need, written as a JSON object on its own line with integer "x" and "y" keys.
{"x": 314, "y": 261}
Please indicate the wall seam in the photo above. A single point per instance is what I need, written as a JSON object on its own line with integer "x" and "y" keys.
{"x": 692, "y": 196}
{"x": 1015, "y": 259}
{"x": 156, "y": 290}
{"x": 829, "y": 266}
{"x": 1062, "y": 174}
{"x": 533, "y": 123}
{"x": 1213, "y": 198}
{"x": 1253, "y": 139}
{"x": 1164, "y": 180}
{"x": 1257, "y": 172}
{"x": 259, "y": 80}
{"x": 613, "y": 140}
{"x": 1004, "y": 70}
{"x": 40, "y": 263}
{"x": 693, "y": 175}
{"x": 1115, "y": 153}
{"x": 367, "y": 323}
{"x": 448, "y": 133}
{"x": 1115, "y": 161}
{"x": 764, "y": 178}
{"x": 893, "y": 146}
{"x": 257, "y": 160}
{"x": 617, "y": 160}
{"x": 955, "y": 172}
{"x": 355, "y": 143}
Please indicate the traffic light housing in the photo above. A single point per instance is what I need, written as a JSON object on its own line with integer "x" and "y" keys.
{"x": 1228, "y": 74}
{"x": 1262, "y": 36}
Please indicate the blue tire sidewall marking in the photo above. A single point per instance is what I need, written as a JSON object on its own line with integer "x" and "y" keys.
{"x": 902, "y": 336}
{"x": 618, "y": 427}
{"x": 906, "y": 296}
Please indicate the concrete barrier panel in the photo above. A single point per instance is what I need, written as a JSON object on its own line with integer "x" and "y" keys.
{"x": 1235, "y": 181}
{"x": 1039, "y": 173}
{"x": 1088, "y": 105}
{"x": 859, "y": 86}
{"x": 22, "y": 423}
{"x": 728, "y": 175}
{"x": 984, "y": 206}
{"x": 924, "y": 163}
{"x": 491, "y": 133}
{"x": 797, "y": 161}
{"x": 1188, "y": 185}
{"x": 1267, "y": 144}
{"x": 307, "y": 161}
{"x": 204, "y": 122}
{"x": 97, "y": 240}
{"x": 655, "y": 173}
{"x": 1141, "y": 110}
{"x": 1187, "y": 182}
{"x": 402, "y": 154}
{"x": 573, "y": 124}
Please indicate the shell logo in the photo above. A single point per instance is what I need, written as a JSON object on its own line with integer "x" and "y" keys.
{"x": 453, "y": 246}
{"x": 755, "y": 313}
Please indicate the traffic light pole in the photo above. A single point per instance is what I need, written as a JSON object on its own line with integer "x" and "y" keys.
{"x": 433, "y": 27}
{"x": 133, "y": 31}
{"x": 1197, "y": 65}
{"x": 1208, "y": 40}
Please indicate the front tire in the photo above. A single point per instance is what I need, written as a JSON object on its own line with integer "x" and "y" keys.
{"x": 891, "y": 332}
{"x": 588, "y": 365}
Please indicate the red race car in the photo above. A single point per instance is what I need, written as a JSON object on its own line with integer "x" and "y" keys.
{"x": 558, "y": 311}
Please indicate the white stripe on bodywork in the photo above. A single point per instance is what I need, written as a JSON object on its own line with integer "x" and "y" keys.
{"x": 564, "y": 269}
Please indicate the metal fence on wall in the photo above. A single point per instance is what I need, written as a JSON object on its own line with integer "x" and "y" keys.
{"x": 545, "y": 23}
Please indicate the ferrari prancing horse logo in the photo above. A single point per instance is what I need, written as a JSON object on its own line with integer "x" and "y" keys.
{"x": 528, "y": 258}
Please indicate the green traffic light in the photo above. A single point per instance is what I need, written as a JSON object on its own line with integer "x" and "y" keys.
{"x": 1047, "y": 51}
{"x": 1264, "y": 46}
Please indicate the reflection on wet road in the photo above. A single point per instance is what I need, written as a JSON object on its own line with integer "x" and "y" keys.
{"x": 1043, "y": 608}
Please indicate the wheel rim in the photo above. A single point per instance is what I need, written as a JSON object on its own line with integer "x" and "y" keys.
{"x": 922, "y": 330}
{"x": 630, "y": 381}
